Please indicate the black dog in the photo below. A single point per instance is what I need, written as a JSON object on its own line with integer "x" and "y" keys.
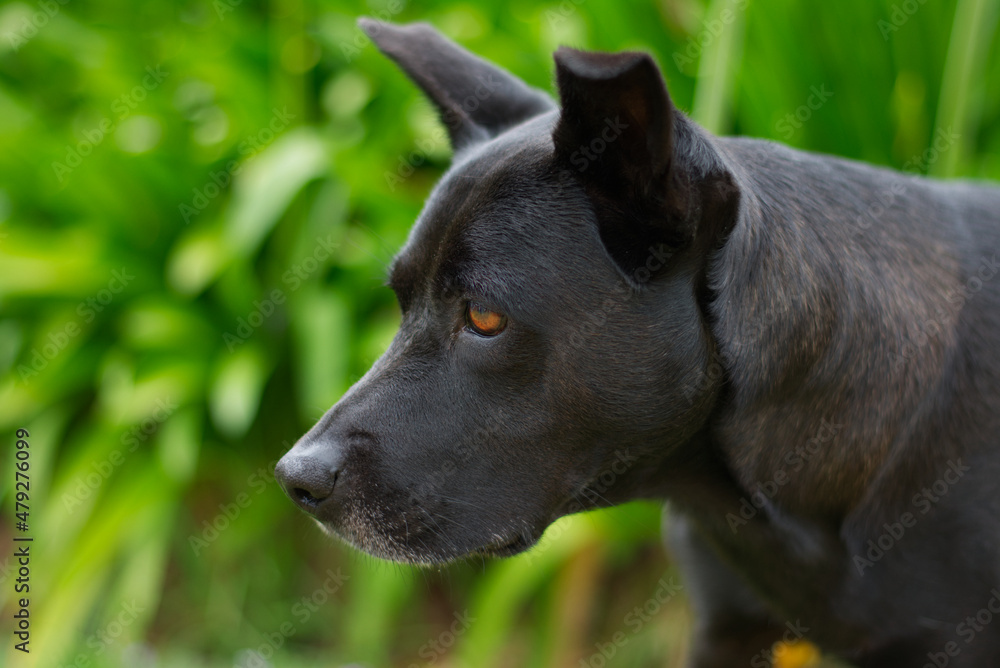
{"x": 602, "y": 302}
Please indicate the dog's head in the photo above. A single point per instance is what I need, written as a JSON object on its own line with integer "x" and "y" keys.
{"x": 553, "y": 352}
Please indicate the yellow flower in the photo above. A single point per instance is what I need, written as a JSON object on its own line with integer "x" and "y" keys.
{"x": 795, "y": 654}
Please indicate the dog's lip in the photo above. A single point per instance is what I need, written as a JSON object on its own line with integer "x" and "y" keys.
{"x": 506, "y": 547}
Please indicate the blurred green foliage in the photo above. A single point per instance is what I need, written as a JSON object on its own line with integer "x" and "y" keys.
{"x": 197, "y": 205}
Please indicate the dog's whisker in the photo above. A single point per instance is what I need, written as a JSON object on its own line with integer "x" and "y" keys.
{"x": 464, "y": 502}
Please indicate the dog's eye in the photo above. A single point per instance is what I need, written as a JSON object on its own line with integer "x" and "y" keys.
{"x": 483, "y": 321}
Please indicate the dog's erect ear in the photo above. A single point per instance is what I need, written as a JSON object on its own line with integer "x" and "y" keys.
{"x": 653, "y": 175}
{"x": 477, "y": 99}
{"x": 617, "y": 118}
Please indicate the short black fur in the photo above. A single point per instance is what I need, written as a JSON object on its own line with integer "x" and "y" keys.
{"x": 730, "y": 324}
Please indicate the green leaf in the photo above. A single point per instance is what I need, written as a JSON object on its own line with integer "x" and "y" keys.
{"x": 959, "y": 105}
{"x": 719, "y": 65}
{"x": 267, "y": 183}
{"x": 236, "y": 390}
{"x": 178, "y": 443}
{"x": 321, "y": 327}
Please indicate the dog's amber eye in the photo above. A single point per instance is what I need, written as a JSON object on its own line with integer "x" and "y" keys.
{"x": 484, "y": 321}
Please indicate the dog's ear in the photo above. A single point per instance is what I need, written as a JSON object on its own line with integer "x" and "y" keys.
{"x": 477, "y": 100}
{"x": 653, "y": 175}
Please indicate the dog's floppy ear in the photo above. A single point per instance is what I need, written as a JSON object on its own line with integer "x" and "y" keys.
{"x": 477, "y": 99}
{"x": 653, "y": 175}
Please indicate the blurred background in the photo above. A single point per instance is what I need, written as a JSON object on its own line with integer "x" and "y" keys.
{"x": 198, "y": 200}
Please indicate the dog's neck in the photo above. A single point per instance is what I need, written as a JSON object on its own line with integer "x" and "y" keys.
{"x": 798, "y": 295}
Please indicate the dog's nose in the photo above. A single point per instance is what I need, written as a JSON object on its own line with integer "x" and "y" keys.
{"x": 307, "y": 479}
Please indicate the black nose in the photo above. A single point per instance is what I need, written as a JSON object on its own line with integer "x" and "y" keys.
{"x": 308, "y": 480}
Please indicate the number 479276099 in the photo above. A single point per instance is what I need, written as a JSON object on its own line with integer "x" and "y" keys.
{"x": 22, "y": 482}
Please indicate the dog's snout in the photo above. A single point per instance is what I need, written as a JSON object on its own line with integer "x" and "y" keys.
{"x": 309, "y": 481}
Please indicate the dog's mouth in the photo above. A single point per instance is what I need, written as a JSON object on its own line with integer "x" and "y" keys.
{"x": 421, "y": 545}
